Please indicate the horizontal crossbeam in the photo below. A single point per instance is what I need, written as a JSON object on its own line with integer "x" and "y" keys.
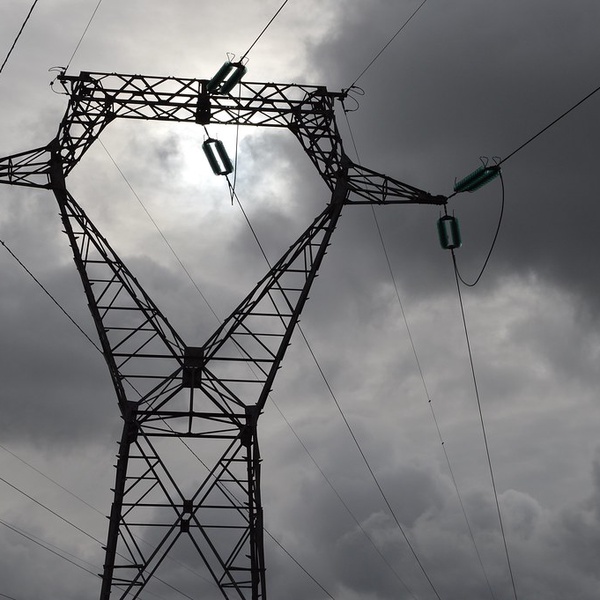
{"x": 96, "y": 99}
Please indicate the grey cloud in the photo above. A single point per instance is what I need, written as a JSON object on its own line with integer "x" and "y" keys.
{"x": 462, "y": 80}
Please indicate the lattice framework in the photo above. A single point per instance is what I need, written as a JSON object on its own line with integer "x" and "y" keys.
{"x": 207, "y": 398}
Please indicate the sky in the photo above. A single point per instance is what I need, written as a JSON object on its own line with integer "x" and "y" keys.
{"x": 464, "y": 79}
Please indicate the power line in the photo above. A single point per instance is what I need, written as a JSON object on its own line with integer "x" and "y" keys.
{"x": 18, "y": 35}
{"x": 83, "y": 35}
{"x": 89, "y": 535}
{"x": 343, "y": 503}
{"x": 301, "y": 567}
{"x": 51, "y": 480}
{"x": 483, "y": 428}
{"x": 388, "y": 43}
{"x": 48, "y": 546}
{"x": 46, "y": 542}
{"x": 263, "y": 31}
{"x": 487, "y": 258}
{"x": 422, "y": 376}
{"x": 162, "y": 235}
{"x": 43, "y": 545}
{"x": 430, "y": 403}
{"x": 45, "y": 290}
{"x": 14, "y": 487}
{"x": 374, "y": 477}
{"x": 71, "y": 493}
{"x": 371, "y": 471}
{"x": 550, "y": 125}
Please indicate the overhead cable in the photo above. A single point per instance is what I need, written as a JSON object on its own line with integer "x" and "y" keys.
{"x": 492, "y": 246}
{"x": 422, "y": 376}
{"x": 74, "y": 495}
{"x": 322, "y": 373}
{"x": 42, "y": 545}
{"x": 434, "y": 416}
{"x": 372, "y": 473}
{"x": 18, "y": 35}
{"x": 343, "y": 502}
{"x": 162, "y": 235}
{"x": 263, "y": 31}
{"x": 483, "y": 428}
{"x": 388, "y": 43}
{"x": 81, "y": 531}
{"x": 299, "y": 565}
{"x": 550, "y": 125}
{"x": 50, "y": 479}
{"x": 51, "y": 296}
{"x": 14, "y": 487}
{"x": 83, "y": 35}
{"x": 50, "y": 544}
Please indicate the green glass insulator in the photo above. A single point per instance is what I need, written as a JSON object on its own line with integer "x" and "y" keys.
{"x": 449, "y": 232}
{"x": 217, "y": 157}
{"x": 477, "y": 179}
{"x": 226, "y": 78}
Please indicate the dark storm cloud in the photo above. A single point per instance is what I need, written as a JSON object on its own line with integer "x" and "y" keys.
{"x": 476, "y": 79}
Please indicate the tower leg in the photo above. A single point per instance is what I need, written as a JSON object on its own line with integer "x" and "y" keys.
{"x": 253, "y": 460}
{"x": 127, "y": 438}
{"x": 207, "y": 398}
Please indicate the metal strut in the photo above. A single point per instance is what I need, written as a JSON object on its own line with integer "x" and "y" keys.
{"x": 188, "y": 466}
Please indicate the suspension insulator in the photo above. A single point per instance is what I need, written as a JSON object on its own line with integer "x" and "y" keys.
{"x": 226, "y": 78}
{"x": 217, "y": 157}
{"x": 477, "y": 178}
{"x": 449, "y": 232}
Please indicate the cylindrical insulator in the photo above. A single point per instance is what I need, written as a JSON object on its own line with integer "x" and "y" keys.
{"x": 226, "y": 78}
{"x": 216, "y": 81}
{"x": 234, "y": 78}
{"x": 477, "y": 178}
{"x": 217, "y": 157}
{"x": 449, "y": 232}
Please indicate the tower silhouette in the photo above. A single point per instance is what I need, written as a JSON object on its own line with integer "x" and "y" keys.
{"x": 178, "y": 400}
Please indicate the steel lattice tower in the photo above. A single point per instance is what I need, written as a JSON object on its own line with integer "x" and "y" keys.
{"x": 201, "y": 400}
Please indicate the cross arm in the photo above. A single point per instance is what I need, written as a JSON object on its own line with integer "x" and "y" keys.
{"x": 96, "y": 99}
{"x": 30, "y": 168}
{"x": 369, "y": 187}
{"x": 184, "y": 99}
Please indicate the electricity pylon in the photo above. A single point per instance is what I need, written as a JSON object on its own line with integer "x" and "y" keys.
{"x": 178, "y": 400}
